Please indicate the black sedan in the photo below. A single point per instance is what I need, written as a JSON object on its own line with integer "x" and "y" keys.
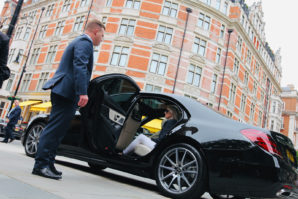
{"x": 203, "y": 152}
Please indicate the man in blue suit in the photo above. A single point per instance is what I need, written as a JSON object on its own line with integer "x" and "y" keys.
{"x": 13, "y": 118}
{"x": 68, "y": 91}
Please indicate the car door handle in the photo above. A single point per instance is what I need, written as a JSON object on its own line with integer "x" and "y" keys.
{"x": 116, "y": 117}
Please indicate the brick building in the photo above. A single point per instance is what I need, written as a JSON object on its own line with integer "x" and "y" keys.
{"x": 234, "y": 71}
{"x": 290, "y": 114}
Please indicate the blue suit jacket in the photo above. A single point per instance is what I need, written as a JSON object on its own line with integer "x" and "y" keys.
{"x": 14, "y": 116}
{"x": 73, "y": 74}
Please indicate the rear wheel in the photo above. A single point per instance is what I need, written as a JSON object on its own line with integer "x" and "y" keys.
{"x": 180, "y": 172}
{"x": 32, "y": 139}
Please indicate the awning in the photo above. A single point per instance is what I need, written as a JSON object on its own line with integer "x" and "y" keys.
{"x": 26, "y": 103}
{"x": 154, "y": 125}
{"x": 41, "y": 107}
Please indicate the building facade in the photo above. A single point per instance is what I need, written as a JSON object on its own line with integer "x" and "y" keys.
{"x": 225, "y": 61}
{"x": 290, "y": 113}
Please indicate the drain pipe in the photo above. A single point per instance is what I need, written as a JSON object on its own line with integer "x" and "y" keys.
{"x": 224, "y": 70}
{"x": 188, "y": 10}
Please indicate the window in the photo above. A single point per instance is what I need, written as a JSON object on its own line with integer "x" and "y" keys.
{"x": 225, "y": 8}
{"x": 218, "y": 53}
{"x": 204, "y": 21}
{"x": 59, "y": 28}
{"x": 194, "y": 75}
{"x": 79, "y": 23}
{"x": 158, "y": 64}
{"x": 217, "y": 4}
{"x": 236, "y": 66}
{"x": 19, "y": 56}
{"x": 230, "y": 114}
{"x": 208, "y": 2}
{"x": 66, "y": 6}
{"x": 2, "y": 104}
{"x": 135, "y": 4}
{"x": 84, "y": 3}
{"x": 95, "y": 53}
{"x": 243, "y": 102}
{"x": 272, "y": 125}
{"x": 9, "y": 82}
{"x": 152, "y": 88}
{"x": 273, "y": 107}
{"x": 252, "y": 111}
{"x": 213, "y": 83}
{"x": 25, "y": 82}
{"x": 43, "y": 32}
{"x": 254, "y": 91}
{"x": 232, "y": 93}
{"x": 248, "y": 58}
{"x": 239, "y": 44}
{"x": 164, "y": 34}
{"x": 27, "y": 33}
{"x": 282, "y": 123}
{"x": 260, "y": 118}
{"x": 170, "y": 9}
{"x": 104, "y": 20}
{"x": 127, "y": 27}
{"x": 18, "y": 33}
{"x": 199, "y": 46}
{"x": 120, "y": 55}
{"x": 246, "y": 78}
{"x": 109, "y": 3}
{"x": 51, "y": 54}
{"x": 42, "y": 79}
{"x": 49, "y": 11}
{"x": 192, "y": 97}
{"x": 11, "y": 55}
{"x": 257, "y": 72}
{"x": 222, "y": 31}
{"x": 34, "y": 56}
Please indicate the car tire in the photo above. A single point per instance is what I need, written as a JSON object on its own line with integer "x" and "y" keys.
{"x": 218, "y": 196}
{"x": 180, "y": 172}
{"x": 32, "y": 138}
{"x": 96, "y": 167}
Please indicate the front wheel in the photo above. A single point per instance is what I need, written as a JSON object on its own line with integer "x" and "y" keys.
{"x": 180, "y": 172}
{"x": 32, "y": 138}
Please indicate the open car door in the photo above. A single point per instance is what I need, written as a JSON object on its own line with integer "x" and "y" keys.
{"x": 110, "y": 97}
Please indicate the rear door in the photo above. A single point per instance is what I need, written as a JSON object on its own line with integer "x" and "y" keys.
{"x": 110, "y": 97}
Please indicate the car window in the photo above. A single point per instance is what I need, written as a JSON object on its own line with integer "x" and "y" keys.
{"x": 120, "y": 91}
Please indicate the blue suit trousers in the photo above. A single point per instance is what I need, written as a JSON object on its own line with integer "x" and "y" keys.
{"x": 63, "y": 111}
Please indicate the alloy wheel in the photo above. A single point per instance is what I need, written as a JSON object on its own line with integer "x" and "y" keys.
{"x": 178, "y": 170}
{"x": 33, "y": 139}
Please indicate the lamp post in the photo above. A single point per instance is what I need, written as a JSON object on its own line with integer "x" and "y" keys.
{"x": 14, "y": 18}
{"x": 188, "y": 10}
{"x": 25, "y": 64}
{"x": 224, "y": 69}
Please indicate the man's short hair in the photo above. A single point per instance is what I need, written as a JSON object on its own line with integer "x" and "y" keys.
{"x": 94, "y": 23}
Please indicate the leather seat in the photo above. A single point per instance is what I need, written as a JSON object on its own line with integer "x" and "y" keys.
{"x": 142, "y": 150}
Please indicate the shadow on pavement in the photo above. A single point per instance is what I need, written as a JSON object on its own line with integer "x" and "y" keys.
{"x": 111, "y": 176}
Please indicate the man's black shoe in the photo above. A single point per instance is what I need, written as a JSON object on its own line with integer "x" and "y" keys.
{"x": 4, "y": 141}
{"x": 55, "y": 171}
{"x": 11, "y": 140}
{"x": 47, "y": 173}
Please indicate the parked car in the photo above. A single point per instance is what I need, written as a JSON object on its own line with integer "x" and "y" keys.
{"x": 204, "y": 152}
{"x": 2, "y": 125}
{"x": 17, "y": 133}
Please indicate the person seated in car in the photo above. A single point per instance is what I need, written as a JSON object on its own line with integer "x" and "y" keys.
{"x": 171, "y": 119}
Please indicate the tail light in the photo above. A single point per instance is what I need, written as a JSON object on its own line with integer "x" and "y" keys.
{"x": 262, "y": 140}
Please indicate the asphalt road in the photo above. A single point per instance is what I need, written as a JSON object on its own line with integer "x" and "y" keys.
{"x": 17, "y": 182}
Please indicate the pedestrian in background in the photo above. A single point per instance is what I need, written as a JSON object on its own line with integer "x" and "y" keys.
{"x": 13, "y": 118}
{"x": 4, "y": 48}
{"x": 68, "y": 91}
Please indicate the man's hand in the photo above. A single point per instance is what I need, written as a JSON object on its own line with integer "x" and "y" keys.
{"x": 83, "y": 100}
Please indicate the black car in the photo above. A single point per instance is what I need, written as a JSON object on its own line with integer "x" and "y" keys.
{"x": 204, "y": 151}
{"x": 17, "y": 133}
